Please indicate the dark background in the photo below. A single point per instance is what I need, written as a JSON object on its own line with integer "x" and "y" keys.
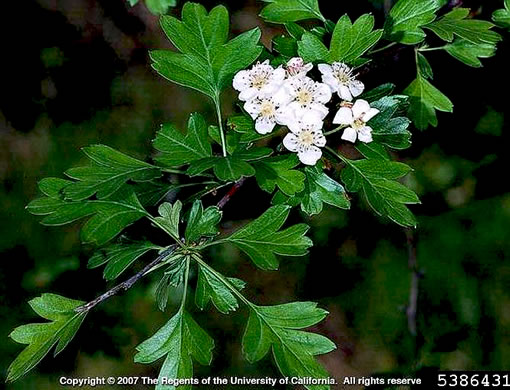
{"x": 77, "y": 72}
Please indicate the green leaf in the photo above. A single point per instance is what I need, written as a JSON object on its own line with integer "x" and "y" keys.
{"x": 378, "y": 92}
{"x": 373, "y": 150}
{"x": 277, "y": 171}
{"x": 469, "y": 53}
{"x": 502, "y": 16}
{"x": 108, "y": 217}
{"x": 232, "y": 168}
{"x": 202, "y": 223}
{"x": 160, "y": 7}
{"x": 211, "y": 288}
{"x": 277, "y": 328}
{"x": 151, "y": 193}
{"x": 425, "y": 99}
{"x": 119, "y": 257}
{"x": 286, "y": 46}
{"x": 232, "y": 138}
{"x": 262, "y": 238}
{"x": 376, "y": 180}
{"x": 455, "y": 23}
{"x": 178, "y": 149}
{"x": 284, "y": 11}
{"x": 424, "y": 68}
{"x": 181, "y": 339}
{"x": 406, "y": 19}
{"x": 206, "y": 61}
{"x": 245, "y": 126}
{"x": 169, "y": 218}
{"x": 41, "y": 337}
{"x": 350, "y": 41}
{"x": 109, "y": 170}
{"x": 387, "y": 129}
{"x": 319, "y": 189}
{"x": 132, "y": 2}
{"x": 311, "y": 49}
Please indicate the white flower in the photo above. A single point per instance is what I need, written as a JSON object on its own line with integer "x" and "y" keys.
{"x": 356, "y": 116}
{"x": 261, "y": 81}
{"x": 306, "y": 140}
{"x": 266, "y": 112}
{"x": 296, "y": 67}
{"x": 307, "y": 97}
{"x": 341, "y": 80}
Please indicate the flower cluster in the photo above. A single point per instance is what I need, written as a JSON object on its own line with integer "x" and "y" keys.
{"x": 287, "y": 96}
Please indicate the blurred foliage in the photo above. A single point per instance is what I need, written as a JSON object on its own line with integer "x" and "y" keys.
{"x": 87, "y": 80}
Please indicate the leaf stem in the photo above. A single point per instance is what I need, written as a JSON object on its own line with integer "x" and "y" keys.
{"x": 338, "y": 155}
{"x": 185, "y": 291}
{"x": 220, "y": 124}
{"x": 335, "y": 130}
{"x": 126, "y": 285}
{"x": 431, "y": 48}
{"x": 382, "y": 48}
{"x": 224, "y": 280}
{"x": 155, "y": 222}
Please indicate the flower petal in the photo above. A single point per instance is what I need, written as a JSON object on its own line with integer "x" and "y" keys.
{"x": 264, "y": 125}
{"x": 370, "y": 114}
{"x": 344, "y": 116}
{"x": 278, "y": 76}
{"x": 360, "y": 108}
{"x": 325, "y": 69}
{"x": 356, "y": 87}
{"x": 344, "y": 92}
{"x": 365, "y": 134}
{"x": 319, "y": 109}
{"x": 248, "y": 94}
{"x": 291, "y": 142}
{"x": 310, "y": 155}
{"x": 323, "y": 93}
{"x": 319, "y": 139}
{"x": 241, "y": 80}
{"x": 253, "y": 107}
{"x": 350, "y": 135}
{"x": 282, "y": 97}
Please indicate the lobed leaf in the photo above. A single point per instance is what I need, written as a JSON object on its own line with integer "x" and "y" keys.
{"x": 262, "y": 238}
{"x": 119, "y": 257}
{"x": 206, "y": 61}
{"x": 108, "y": 217}
{"x": 277, "y": 172}
{"x": 211, "y": 288}
{"x": 178, "y": 149}
{"x": 388, "y": 129}
{"x": 181, "y": 340}
{"x": 42, "y": 337}
{"x": 502, "y": 16}
{"x": 375, "y": 178}
{"x": 350, "y": 41}
{"x": 319, "y": 189}
{"x": 108, "y": 172}
{"x": 470, "y": 53}
{"x": 202, "y": 223}
{"x": 425, "y": 99}
{"x": 456, "y": 23}
{"x": 406, "y": 19}
{"x": 276, "y": 328}
{"x": 285, "y": 11}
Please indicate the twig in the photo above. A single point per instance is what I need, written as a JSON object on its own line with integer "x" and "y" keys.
{"x": 226, "y": 198}
{"x": 412, "y": 263}
{"x": 127, "y": 284}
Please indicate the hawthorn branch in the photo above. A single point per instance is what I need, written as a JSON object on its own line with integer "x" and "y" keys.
{"x": 233, "y": 190}
{"x": 412, "y": 264}
{"x": 126, "y": 285}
